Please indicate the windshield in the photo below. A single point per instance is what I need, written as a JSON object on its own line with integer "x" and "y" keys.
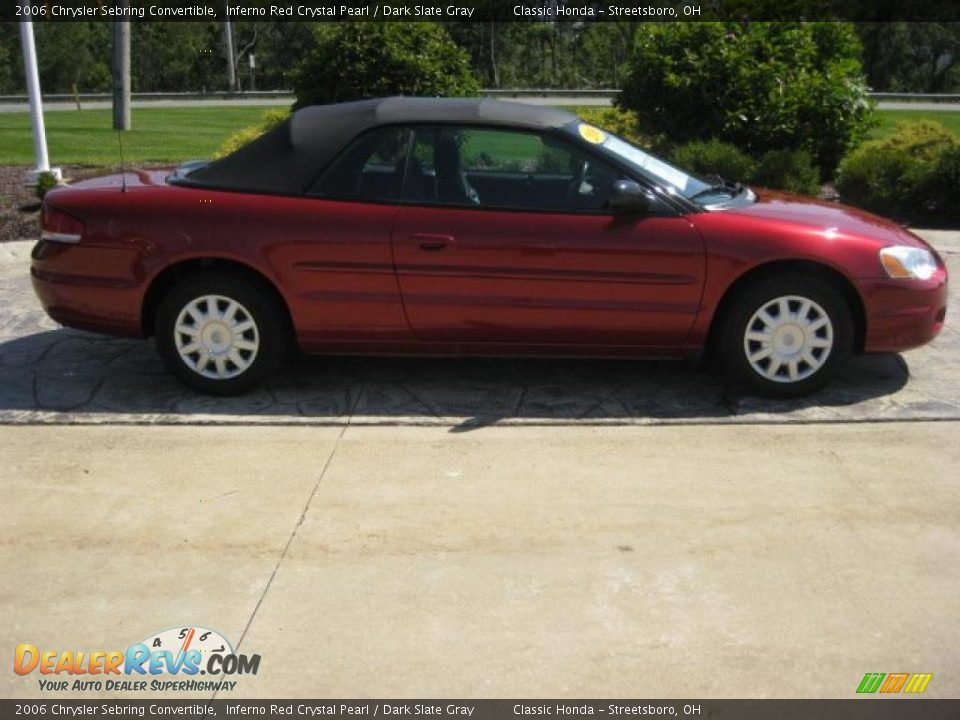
{"x": 653, "y": 168}
{"x": 668, "y": 176}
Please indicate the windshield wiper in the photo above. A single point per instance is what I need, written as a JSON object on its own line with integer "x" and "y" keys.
{"x": 732, "y": 189}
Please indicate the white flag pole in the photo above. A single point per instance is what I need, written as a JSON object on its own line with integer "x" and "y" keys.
{"x": 36, "y": 105}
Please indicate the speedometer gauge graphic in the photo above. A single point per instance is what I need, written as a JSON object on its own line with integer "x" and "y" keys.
{"x": 180, "y": 640}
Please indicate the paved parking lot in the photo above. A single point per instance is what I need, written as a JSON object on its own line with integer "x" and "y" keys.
{"x": 482, "y": 528}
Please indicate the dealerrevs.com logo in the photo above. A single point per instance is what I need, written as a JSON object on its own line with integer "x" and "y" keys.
{"x": 170, "y": 660}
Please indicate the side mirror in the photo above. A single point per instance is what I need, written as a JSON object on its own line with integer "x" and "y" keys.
{"x": 630, "y": 197}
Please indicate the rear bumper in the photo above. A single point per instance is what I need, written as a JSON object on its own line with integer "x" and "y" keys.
{"x": 903, "y": 314}
{"x": 78, "y": 291}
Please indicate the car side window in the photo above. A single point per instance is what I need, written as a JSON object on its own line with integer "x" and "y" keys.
{"x": 482, "y": 167}
{"x": 370, "y": 169}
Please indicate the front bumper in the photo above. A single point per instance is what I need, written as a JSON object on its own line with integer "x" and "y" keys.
{"x": 903, "y": 314}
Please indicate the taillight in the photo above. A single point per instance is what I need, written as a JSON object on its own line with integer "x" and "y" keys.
{"x": 58, "y": 226}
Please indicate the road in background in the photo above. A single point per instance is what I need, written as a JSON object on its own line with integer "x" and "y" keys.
{"x": 7, "y": 107}
{"x": 572, "y": 99}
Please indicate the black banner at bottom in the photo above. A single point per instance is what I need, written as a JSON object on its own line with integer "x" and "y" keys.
{"x": 874, "y": 708}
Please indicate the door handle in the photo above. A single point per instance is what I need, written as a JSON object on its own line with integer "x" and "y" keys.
{"x": 432, "y": 242}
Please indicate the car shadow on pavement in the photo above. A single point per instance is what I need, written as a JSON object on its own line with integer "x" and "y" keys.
{"x": 68, "y": 375}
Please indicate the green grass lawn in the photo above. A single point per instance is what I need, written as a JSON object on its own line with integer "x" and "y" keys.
{"x": 171, "y": 135}
{"x": 159, "y": 135}
{"x": 889, "y": 118}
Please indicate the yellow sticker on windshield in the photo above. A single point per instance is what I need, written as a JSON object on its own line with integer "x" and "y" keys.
{"x": 592, "y": 134}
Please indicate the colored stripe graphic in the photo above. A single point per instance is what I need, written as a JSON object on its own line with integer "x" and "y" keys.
{"x": 894, "y": 682}
{"x": 914, "y": 683}
{"x": 918, "y": 682}
{"x": 870, "y": 682}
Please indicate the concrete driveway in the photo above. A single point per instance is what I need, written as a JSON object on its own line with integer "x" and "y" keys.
{"x": 695, "y": 562}
{"x": 487, "y": 528}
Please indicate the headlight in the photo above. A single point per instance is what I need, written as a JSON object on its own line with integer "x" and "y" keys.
{"x": 903, "y": 261}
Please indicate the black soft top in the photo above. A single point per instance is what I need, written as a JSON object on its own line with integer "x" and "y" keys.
{"x": 287, "y": 159}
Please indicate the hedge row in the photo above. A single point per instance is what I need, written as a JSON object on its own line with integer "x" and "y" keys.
{"x": 791, "y": 170}
{"x": 914, "y": 173}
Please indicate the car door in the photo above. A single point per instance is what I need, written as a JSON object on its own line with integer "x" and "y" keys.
{"x": 504, "y": 238}
{"x": 335, "y": 253}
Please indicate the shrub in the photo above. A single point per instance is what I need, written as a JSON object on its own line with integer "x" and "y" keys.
{"x": 46, "y": 181}
{"x": 880, "y": 177}
{"x": 241, "y": 137}
{"x": 943, "y": 185}
{"x": 714, "y": 158}
{"x": 791, "y": 170}
{"x": 760, "y": 86}
{"x": 352, "y": 61}
{"x": 901, "y": 174}
{"x": 923, "y": 139}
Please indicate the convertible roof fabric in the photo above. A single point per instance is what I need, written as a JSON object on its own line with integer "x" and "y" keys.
{"x": 287, "y": 159}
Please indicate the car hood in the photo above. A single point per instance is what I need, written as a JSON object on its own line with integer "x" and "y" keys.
{"x": 823, "y": 215}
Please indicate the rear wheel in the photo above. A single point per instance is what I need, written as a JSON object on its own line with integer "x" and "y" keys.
{"x": 786, "y": 336}
{"x": 220, "y": 333}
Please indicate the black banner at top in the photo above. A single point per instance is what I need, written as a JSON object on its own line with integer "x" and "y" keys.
{"x": 479, "y": 10}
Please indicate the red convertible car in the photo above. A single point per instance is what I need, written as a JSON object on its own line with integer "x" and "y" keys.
{"x": 454, "y": 226}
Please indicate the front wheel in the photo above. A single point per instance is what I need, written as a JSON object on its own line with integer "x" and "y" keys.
{"x": 219, "y": 333}
{"x": 787, "y": 336}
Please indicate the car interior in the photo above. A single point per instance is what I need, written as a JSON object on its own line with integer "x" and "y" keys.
{"x": 470, "y": 167}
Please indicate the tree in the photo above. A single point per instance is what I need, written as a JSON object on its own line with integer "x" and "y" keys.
{"x": 760, "y": 86}
{"x": 606, "y": 46}
{"x": 11, "y": 72}
{"x": 351, "y": 61}
{"x": 73, "y": 55}
{"x": 933, "y": 57}
{"x": 177, "y": 56}
{"x": 911, "y": 57}
{"x": 886, "y": 47}
{"x": 278, "y": 46}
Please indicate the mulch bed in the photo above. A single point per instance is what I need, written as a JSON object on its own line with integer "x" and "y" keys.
{"x": 19, "y": 205}
{"x": 14, "y": 223}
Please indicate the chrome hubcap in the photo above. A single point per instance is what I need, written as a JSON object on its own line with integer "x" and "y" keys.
{"x": 216, "y": 337}
{"x": 788, "y": 339}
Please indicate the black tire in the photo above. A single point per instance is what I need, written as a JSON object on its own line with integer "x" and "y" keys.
{"x": 733, "y": 345}
{"x": 270, "y": 332}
